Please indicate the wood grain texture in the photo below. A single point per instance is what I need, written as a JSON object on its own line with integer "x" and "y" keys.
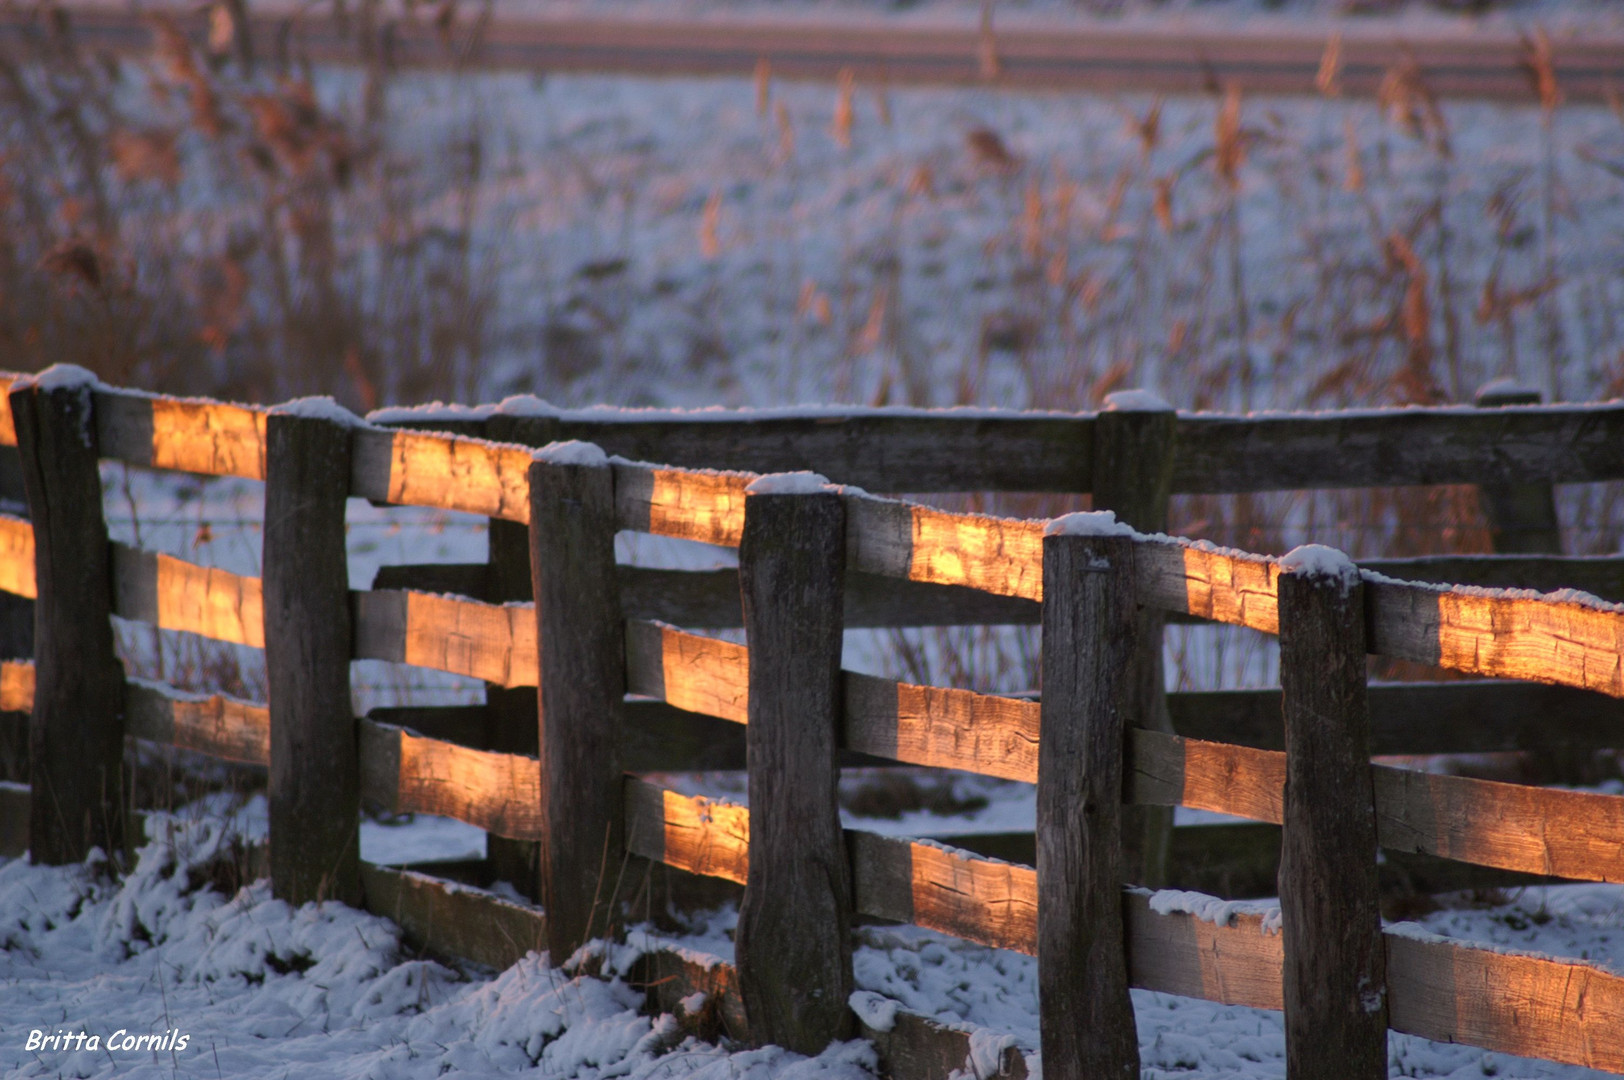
{"x": 914, "y": 881}
{"x": 1439, "y": 446}
{"x": 315, "y": 776}
{"x": 1522, "y": 517}
{"x": 186, "y": 434}
{"x": 17, "y": 556}
{"x": 949, "y": 729}
{"x": 693, "y": 833}
{"x": 689, "y": 671}
{"x": 175, "y": 594}
{"x": 17, "y": 686}
{"x": 905, "y": 540}
{"x": 216, "y": 725}
{"x": 1560, "y": 1010}
{"x": 1543, "y": 638}
{"x": 447, "y": 472}
{"x": 407, "y": 773}
{"x": 76, "y": 736}
{"x": 792, "y": 942}
{"x": 1170, "y": 771}
{"x": 494, "y": 642}
{"x": 710, "y": 598}
{"x": 582, "y": 669}
{"x": 513, "y": 719}
{"x": 1090, "y": 670}
{"x": 451, "y": 920}
{"x": 1335, "y": 977}
{"x": 702, "y": 505}
{"x": 1219, "y": 584}
{"x": 1238, "y": 962}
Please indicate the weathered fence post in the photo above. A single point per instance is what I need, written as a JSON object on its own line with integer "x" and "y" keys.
{"x": 1089, "y": 639}
{"x": 1522, "y": 517}
{"x": 315, "y": 781}
{"x": 582, "y": 668}
{"x": 512, "y": 722}
{"x": 793, "y": 940}
{"x": 1135, "y": 438}
{"x": 76, "y": 732}
{"x": 1335, "y": 980}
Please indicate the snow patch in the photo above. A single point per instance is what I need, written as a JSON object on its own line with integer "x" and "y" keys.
{"x": 1211, "y": 909}
{"x": 318, "y": 408}
{"x": 434, "y": 410}
{"x": 573, "y": 452}
{"x": 1088, "y": 523}
{"x": 61, "y": 377}
{"x": 1319, "y": 561}
{"x": 527, "y": 405}
{"x": 788, "y": 483}
{"x": 875, "y": 1010}
{"x": 1136, "y": 401}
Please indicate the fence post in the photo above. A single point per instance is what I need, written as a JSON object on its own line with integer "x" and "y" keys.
{"x": 793, "y": 940}
{"x": 1135, "y": 438}
{"x": 512, "y": 721}
{"x": 1522, "y": 517}
{"x": 1089, "y": 627}
{"x": 76, "y": 732}
{"x": 1335, "y": 980}
{"x": 582, "y": 667}
{"x": 315, "y": 781}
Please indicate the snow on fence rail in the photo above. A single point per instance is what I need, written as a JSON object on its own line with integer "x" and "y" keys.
{"x": 812, "y": 557}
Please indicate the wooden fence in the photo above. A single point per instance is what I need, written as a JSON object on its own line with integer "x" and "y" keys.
{"x": 814, "y": 559}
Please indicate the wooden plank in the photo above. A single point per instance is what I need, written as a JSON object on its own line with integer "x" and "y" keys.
{"x": 216, "y": 725}
{"x": 494, "y": 642}
{"x": 513, "y": 720}
{"x": 949, "y": 729}
{"x": 1335, "y": 976}
{"x": 1533, "y": 830}
{"x": 17, "y": 556}
{"x": 451, "y": 920}
{"x": 921, "y": 882}
{"x": 920, "y": 543}
{"x": 655, "y": 737}
{"x": 459, "y": 579}
{"x": 1219, "y": 584}
{"x": 407, "y": 773}
{"x": 885, "y": 450}
{"x": 1544, "y": 638}
{"x": 1234, "y": 962}
{"x": 582, "y": 686}
{"x": 700, "y": 835}
{"x": 315, "y": 776}
{"x": 1450, "y": 445}
{"x": 446, "y": 472}
{"x": 1226, "y": 779}
{"x": 1522, "y": 517}
{"x": 1135, "y": 444}
{"x": 710, "y": 598}
{"x": 690, "y": 671}
{"x": 1601, "y": 576}
{"x": 792, "y": 942}
{"x": 702, "y": 504}
{"x": 187, "y": 434}
{"x": 77, "y": 731}
{"x": 175, "y": 594}
{"x": 1090, "y": 670}
{"x": 1559, "y": 1010}
{"x": 1423, "y": 718}
{"x": 17, "y": 686}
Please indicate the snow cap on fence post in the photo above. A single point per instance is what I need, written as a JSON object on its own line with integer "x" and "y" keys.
{"x": 793, "y": 940}
{"x": 1090, "y": 628}
{"x": 1335, "y": 976}
{"x": 580, "y": 636}
{"x": 315, "y": 781}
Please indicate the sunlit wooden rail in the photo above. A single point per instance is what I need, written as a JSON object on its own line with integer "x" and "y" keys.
{"x": 556, "y": 614}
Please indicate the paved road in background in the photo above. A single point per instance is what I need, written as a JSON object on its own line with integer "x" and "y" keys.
{"x": 1463, "y": 64}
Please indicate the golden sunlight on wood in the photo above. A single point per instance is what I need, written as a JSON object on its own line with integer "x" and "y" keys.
{"x": 950, "y": 729}
{"x": 997, "y": 556}
{"x": 497, "y": 792}
{"x": 705, "y": 675}
{"x": 446, "y": 472}
{"x": 1223, "y": 586}
{"x": 982, "y": 900}
{"x": 8, "y": 427}
{"x": 223, "y": 728}
{"x": 1221, "y": 777}
{"x": 209, "y": 601}
{"x": 1238, "y": 962}
{"x": 206, "y": 437}
{"x": 690, "y": 832}
{"x": 494, "y": 642}
{"x": 17, "y": 686}
{"x": 703, "y": 506}
{"x": 17, "y": 556}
